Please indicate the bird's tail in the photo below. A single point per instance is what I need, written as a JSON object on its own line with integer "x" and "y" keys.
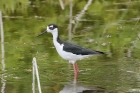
{"x": 99, "y": 52}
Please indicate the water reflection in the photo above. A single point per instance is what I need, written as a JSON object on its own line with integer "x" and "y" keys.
{"x": 76, "y": 88}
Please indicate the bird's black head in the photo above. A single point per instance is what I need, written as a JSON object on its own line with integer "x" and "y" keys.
{"x": 52, "y": 28}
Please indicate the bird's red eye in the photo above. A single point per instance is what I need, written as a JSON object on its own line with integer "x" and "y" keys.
{"x": 51, "y": 28}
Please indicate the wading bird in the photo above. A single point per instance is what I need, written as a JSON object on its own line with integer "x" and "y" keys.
{"x": 69, "y": 51}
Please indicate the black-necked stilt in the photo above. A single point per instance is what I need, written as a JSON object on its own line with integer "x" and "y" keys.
{"x": 68, "y": 51}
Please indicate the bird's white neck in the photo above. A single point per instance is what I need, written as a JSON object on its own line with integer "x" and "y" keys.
{"x": 55, "y": 36}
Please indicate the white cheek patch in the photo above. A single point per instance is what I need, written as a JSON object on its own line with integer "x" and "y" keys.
{"x": 48, "y": 29}
{"x": 51, "y": 26}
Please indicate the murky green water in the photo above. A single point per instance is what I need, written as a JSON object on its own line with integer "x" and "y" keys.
{"x": 109, "y": 26}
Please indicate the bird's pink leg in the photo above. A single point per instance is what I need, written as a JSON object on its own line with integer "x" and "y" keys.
{"x": 75, "y": 73}
{"x": 76, "y": 66}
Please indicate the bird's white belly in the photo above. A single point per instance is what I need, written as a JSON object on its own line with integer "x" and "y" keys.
{"x": 68, "y": 55}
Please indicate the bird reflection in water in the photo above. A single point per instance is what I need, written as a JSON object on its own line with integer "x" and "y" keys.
{"x": 75, "y": 88}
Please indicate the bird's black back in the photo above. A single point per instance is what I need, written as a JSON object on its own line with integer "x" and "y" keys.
{"x": 76, "y": 49}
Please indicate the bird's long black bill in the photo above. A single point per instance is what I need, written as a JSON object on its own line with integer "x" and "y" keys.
{"x": 41, "y": 33}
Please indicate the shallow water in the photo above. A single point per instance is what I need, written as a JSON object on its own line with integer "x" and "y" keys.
{"x": 101, "y": 75}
